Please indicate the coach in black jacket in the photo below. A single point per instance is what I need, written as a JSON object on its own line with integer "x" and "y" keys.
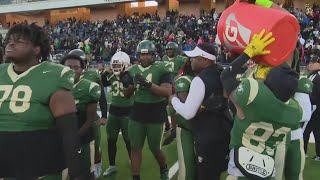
{"x": 206, "y": 107}
{"x": 314, "y": 123}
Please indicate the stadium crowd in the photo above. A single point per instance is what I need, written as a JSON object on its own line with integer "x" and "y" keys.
{"x": 207, "y": 104}
{"x": 101, "y": 39}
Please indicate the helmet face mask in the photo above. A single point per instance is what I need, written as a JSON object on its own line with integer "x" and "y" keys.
{"x": 171, "y": 49}
{"x": 171, "y": 53}
{"x": 146, "y": 59}
{"x": 120, "y": 62}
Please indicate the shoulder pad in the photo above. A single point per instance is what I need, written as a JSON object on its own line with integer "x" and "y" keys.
{"x": 305, "y": 85}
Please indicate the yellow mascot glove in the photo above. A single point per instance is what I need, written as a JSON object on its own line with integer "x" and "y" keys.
{"x": 258, "y": 44}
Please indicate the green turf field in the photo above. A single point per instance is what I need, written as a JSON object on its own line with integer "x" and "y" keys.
{"x": 150, "y": 169}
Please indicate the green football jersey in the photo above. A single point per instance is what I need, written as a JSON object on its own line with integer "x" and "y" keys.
{"x": 85, "y": 92}
{"x": 118, "y": 98}
{"x": 152, "y": 73}
{"x": 25, "y": 98}
{"x": 267, "y": 120}
{"x": 175, "y": 63}
{"x": 91, "y": 75}
{"x": 182, "y": 84}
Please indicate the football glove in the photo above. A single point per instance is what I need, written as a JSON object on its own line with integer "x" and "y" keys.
{"x": 126, "y": 79}
{"x": 142, "y": 81}
{"x": 258, "y": 44}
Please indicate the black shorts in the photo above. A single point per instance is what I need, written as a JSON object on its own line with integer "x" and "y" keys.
{"x": 149, "y": 112}
{"x": 25, "y": 155}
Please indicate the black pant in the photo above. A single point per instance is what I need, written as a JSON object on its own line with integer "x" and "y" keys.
{"x": 26, "y": 155}
{"x": 211, "y": 146}
{"x": 313, "y": 126}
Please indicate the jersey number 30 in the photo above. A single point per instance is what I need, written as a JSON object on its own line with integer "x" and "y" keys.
{"x": 20, "y": 97}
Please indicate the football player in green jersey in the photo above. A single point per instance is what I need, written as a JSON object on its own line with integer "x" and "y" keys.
{"x": 120, "y": 108}
{"x": 86, "y": 94}
{"x": 174, "y": 62}
{"x": 172, "y": 57}
{"x": 94, "y": 76}
{"x": 256, "y": 134}
{"x": 152, "y": 85}
{"x": 185, "y": 140}
{"x": 37, "y": 109}
{"x": 289, "y": 156}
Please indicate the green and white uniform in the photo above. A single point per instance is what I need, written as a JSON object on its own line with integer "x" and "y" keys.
{"x": 91, "y": 75}
{"x": 27, "y": 121}
{"x": 175, "y": 63}
{"x": 185, "y": 141}
{"x": 261, "y": 130}
{"x": 94, "y": 76}
{"x": 149, "y": 110}
{"x": 292, "y": 165}
{"x": 290, "y": 160}
{"x": 120, "y": 109}
{"x": 119, "y": 112}
{"x": 85, "y": 92}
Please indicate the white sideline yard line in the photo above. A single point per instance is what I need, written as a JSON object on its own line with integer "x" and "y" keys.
{"x": 173, "y": 170}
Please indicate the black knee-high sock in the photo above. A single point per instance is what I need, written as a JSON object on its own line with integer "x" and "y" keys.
{"x": 112, "y": 151}
{"x": 136, "y": 177}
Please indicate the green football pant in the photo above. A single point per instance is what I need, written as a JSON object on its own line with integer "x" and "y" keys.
{"x": 115, "y": 124}
{"x": 139, "y": 131}
{"x": 292, "y": 165}
{"x": 186, "y": 155}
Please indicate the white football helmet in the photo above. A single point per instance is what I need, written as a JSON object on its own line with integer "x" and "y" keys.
{"x": 120, "y": 61}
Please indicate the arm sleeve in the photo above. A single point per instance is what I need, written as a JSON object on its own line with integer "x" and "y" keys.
{"x": 229, "y": 75}
{"x": 166, "y": 78}
{"x": 304, "y": 101}
{"x": 103, "y": 103}
{"x": 189, "y": 109}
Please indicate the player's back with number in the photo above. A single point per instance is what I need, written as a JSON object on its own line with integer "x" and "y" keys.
{"x": 24, "y": 98}
{"x": 264, "y": 126}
